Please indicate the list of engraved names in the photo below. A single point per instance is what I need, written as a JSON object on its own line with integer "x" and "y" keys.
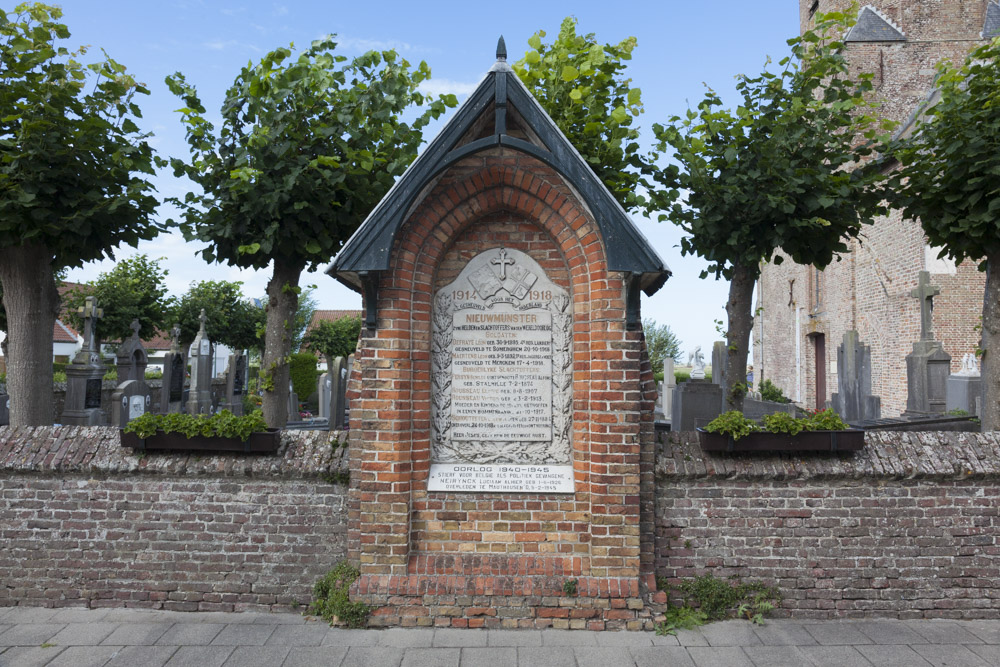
{"x": 502, "y": 376}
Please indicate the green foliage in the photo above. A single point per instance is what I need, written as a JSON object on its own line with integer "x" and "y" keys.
{"x": 661, "y": 343}
{"x": 133, "y": 289}
{"x": 331, "y": 598}
{"x": 772, "y": 392}
{"x": 231, "y": 320}
{"x": 733, "y": 424}
{"x": 223, "y": 424}
{"x": 681, "y": 618}
{"x": 73, "y": 163}
{"x": 782, "y": 422}
{"x": 569, "y": 587}
{"x": 308, "y": 145}
{"x": 582, "y": 85}
{"x": 825, "y": 420}
{"x": 950, "y": 163}
{"x": 303, "y": 373}
{"x": 719, "y": 599}
{"x": 337, "y": 338}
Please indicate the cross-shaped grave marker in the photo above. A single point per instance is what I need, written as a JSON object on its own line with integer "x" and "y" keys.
{"x": 926, "y": 293}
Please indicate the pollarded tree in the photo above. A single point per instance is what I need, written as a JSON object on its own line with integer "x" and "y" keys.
{"x": 336, "y": 338}
{"x": 775, "y": 174}
{"x": 308, "y": 146}
{"x": 948, "y": 180}
{"x": 132, "y": 290}
{"x": 73, "y": 185}
{"x": 582, "y": 85}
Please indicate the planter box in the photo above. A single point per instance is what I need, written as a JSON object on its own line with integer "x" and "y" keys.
{"x": 258, "y": 443}
{"x": 807, "y": 441}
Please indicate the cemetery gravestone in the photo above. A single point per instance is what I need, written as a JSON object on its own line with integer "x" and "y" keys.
{"x": 965, "y": 387}
{"x": 853, "y": 400}
{"x": 130, "y": 399}
{"x": 4, "y": 406}
{"x": 928, "y": 365}
{"x": 323, "y": 387}
{"x": 669, "y": 386}
{"x": 200, "y": 396}
{"x": 293, "y": 405}
{"x": 499, "y": 375}
{"x": 85, "y": 375}
{"x": 236, "y": 382}
{"x": 131, "y": 357}
{"x": 338, "y": 385}
{"x": 174, "y": 372}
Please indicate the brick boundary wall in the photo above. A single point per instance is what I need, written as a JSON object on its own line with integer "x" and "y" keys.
{"x": 907, "y": 528}
{"x": 84, "y": 522}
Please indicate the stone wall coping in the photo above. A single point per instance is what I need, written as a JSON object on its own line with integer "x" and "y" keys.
{"x": 96, "y": 450}
{"x": 887, "y": 455}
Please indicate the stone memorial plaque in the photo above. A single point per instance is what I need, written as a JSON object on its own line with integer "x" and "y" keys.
{"x": 92, "y": 394}
{"x": 137, "y": 406}
{"x": 177, "y": 378}
{"x": 502, "y": 379}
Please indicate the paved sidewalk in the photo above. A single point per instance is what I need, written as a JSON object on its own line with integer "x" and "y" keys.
{"x": 138, "y": 638}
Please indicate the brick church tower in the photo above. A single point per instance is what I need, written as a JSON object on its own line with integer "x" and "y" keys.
{"x": 804, "y": 312}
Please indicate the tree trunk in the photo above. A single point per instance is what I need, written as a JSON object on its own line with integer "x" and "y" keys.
{"x": 282, "y": 301}
{"x": 739, "y": 309}
{"x": 32, "y": 303}
{"x": 991, "y": 344}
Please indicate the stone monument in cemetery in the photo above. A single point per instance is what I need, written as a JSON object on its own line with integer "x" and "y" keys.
{"x": 293, "y": 405}
{"x": 965, "y": 388}
{"x": 236, "y": 383}
{"x": 132, "y": 398}
{"x": 928, "y": 365}
{"x": 338, "y": 389}
{"x": 174, "y": 374}
{"x": 696, "y": 401}
{"x": 853, "y": 400}
{"x": 719, "y": 354}
{"x": 200, "y": 357}
{"x": 4, "y": 406}
{"x": 131, "y": 357}
{"x": 85, "y": 375}
{"x": 323, "y": 386}
{"x": 501, "y": 423}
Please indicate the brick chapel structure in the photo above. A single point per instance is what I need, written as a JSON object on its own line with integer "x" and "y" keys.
{"x": 501, "y": 439}
{"x": 805, "y": 312}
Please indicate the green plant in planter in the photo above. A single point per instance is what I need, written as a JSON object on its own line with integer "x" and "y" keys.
{"x": 782, "y": 422}
{"x": 223, "y": 424}
{"x": 825, "y": 420}
{"x": 733, "y": 424}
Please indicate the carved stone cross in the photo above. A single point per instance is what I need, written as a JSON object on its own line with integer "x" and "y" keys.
{"x": 90, "y": 313}
{"x": 503, "y": 262}
{"x": 175, "y": 337}
{"x": 135, "y": 326}
{"x": 203, "y": 318}
{"x": 926, "y": 293}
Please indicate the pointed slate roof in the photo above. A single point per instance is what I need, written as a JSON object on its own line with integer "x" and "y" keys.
{"x": 628, "y": 250}
{"x": 874, "y": 26}
{"x": 991, "y": 27}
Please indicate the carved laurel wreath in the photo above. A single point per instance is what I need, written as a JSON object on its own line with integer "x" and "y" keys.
{"x": 444, "y": 450}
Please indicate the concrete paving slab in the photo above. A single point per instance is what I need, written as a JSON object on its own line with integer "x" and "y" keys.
{"x": 514, "y": 638}
{"x": 190, "y": 634}
{"x": 459, "y": 638}
{"x": 624, "y": 638}
{"x": 30, "y": 656}
{"x": 349, "y": 637}
{"x": 492, "y": 656}
{"x": 604, "y": 656}
{"x": 545, "y": 656}
{"x": 776, "y": 633}
{"x": 78, "y": 615}
{"x": 85, "y": 656}
{"x": 5, "y": 626}
{"x": 21, "y": 614}
{"x": 315, "y": 656}
{"x": 675, "y": 656}
{"x": 890, "y": 632}
{"x": 244, "y": 634}
{"x": 990, "y": 653}
{"x": 257, "y": 656}
{"x": 131, "y": 615}
{"x": 199, "y": 656}
{"x": 568, "y": 638}
{"x": 83, "y": 634}
{"x": 691, "y": 638}
{"x": 949, "y": 655}
{"x": 226, "y": 617}
{"x": 841, "y": 656}
{"x": 146, "y": 656}
{"x": 719, "y": 656}
{"x": 943, "y": 632}
{"x": 730, "y": 633}
{"x": 837, "y": 633}
{"x": 298, "y": 635}
{"x": 776, "y": 656}
{"x": 888, "y": 655}
{"x": 136, "y": 634}
{"x": 372, "y": 656}
{"x": 406, "y": 637}
{"x": 431, "y": 657}
{"x": 30, "y": 634}
{"x": 988, "y": 631}
{"x": 286, "y": 618}
{"x": 664, "y": 640}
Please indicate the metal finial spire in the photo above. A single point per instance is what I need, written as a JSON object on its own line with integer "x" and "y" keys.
{"x": 501, "y": 49}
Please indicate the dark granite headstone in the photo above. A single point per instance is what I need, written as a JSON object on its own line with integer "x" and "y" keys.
{"x": 696, "y": 402}
{"x": 131, "y": 399}
{"x": 84, "y": 376}
{"x": 132, "y": 358}
{"x": 928, "y": 365}
{"x": 235, "y": 384}
{"x": 338, "y": 388}
{"x": 200, "y": 356}
{"x": 176, "y": 384}
{"x": 853, "y": 400}
{"x": 4, "y": 408}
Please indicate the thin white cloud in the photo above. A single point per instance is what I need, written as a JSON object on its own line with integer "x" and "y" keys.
{"x": 280, "y": 10}
{"x": 446, "y": 86}
{"x": 222, "y": 45}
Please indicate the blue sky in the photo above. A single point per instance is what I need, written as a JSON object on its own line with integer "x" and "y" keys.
{"x": 681, "y": 47}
